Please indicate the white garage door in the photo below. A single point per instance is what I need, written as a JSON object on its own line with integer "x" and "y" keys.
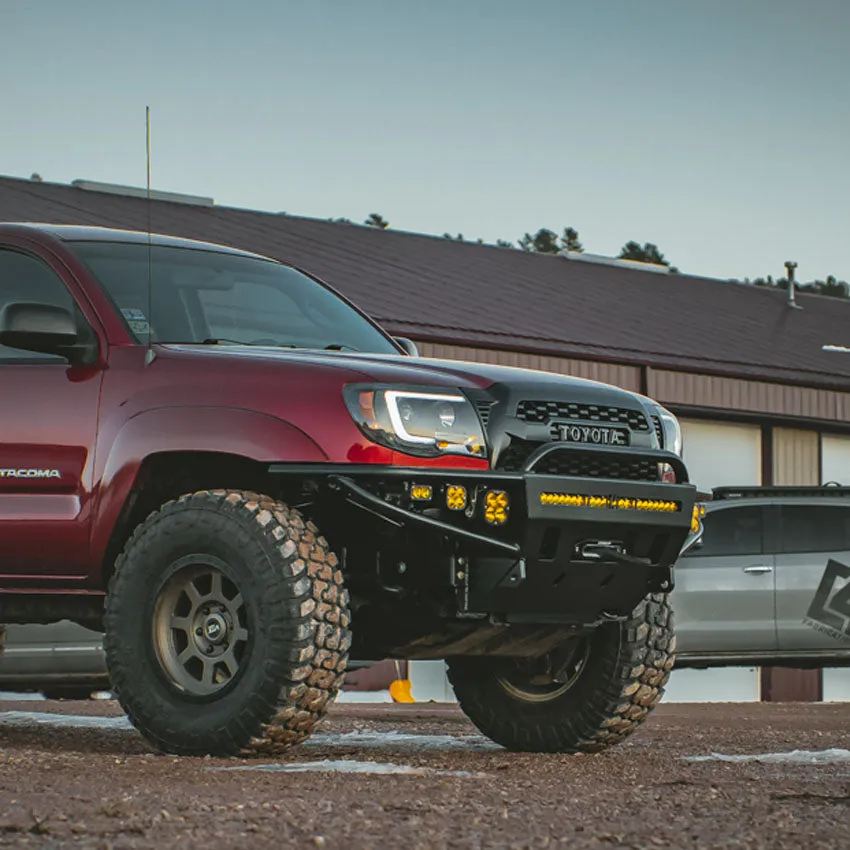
{"x": 721, "y": 453}
{"x": 836, "y": 467}
{"x": 836, "y": 459}
{"x": 717, "y": 684}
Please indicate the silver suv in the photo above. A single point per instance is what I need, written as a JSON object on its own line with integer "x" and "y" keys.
{"x": 768, "y": 582}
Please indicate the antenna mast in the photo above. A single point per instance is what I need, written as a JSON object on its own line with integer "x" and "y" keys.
{"x": 149, "y": 355}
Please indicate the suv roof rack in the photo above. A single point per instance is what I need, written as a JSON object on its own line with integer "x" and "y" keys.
{"x": 831, "y": 488}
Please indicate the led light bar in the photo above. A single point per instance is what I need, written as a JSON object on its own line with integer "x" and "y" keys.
{"x": 576, "y": 500}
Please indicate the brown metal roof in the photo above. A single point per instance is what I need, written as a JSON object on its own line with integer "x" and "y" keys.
{"x": 435, "y": 289}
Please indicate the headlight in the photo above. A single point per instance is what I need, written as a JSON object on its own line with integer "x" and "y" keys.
{"x": 418, "y": 422}
{"x": 672, "y": 431}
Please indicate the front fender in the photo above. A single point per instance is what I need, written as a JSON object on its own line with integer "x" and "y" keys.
{"x": 234, "y": 431}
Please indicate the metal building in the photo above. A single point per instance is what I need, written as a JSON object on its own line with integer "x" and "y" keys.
{"x": 761, "y": 400}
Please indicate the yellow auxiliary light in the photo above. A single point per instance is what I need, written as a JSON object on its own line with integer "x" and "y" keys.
{"x": 575, "y": 500}
{"x": 455, "y": 497}
{"x": 421, "y": 492}
{"x": 496, "y": 506}
{"x": 698, "y": 514}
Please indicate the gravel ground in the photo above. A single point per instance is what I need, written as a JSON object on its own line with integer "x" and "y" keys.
{"x": 104, "y": 787}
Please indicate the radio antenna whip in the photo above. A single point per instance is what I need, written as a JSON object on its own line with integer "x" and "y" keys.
{"x": 149, "y": 355}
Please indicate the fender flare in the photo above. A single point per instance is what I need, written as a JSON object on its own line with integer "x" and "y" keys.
{"x": 222, "y": 430}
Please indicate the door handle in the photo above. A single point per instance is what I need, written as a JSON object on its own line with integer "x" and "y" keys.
{"x": 758, "y": 568}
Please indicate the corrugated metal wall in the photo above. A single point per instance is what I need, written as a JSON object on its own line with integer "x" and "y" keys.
{"x": 796, "y": 456}
{"x": 627, "y": 377}
{"x": 708, "y": 391}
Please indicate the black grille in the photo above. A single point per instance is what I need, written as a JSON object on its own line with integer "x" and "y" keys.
{"x": 659, "y": 430}
{"x": 545, "y": 411}
{"x": 577, "y": 464}
{"x": 484, "y": 408}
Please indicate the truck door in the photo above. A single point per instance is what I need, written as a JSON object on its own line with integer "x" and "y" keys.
{"x": 813, "y": 578}
{"x": 723, "y": 599}
{"x": 48, "y": 424}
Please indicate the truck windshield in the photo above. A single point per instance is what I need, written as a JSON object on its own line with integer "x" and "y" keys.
{"x": 199, "y": 295}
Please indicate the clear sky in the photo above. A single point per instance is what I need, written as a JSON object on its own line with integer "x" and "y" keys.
{"x": 718, "y": 130}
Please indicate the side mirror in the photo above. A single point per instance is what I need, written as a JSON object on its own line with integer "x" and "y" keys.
{"x": 38, "y": 327}
{"x": 408, "y": 345}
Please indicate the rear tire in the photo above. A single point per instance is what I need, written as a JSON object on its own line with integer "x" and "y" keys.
{"x": 621, "y": 678}
{"x": 227, "y": 626}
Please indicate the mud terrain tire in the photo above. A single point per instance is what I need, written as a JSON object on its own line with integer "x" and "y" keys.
{"x": 275, "y": 622}
{"x": 623, "y": 677}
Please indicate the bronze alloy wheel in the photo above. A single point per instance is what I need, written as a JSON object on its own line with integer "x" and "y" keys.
{"x": 585, "y": 697}
{"x": 200, "y": 628}
{"x": 227, "y": 625}
{"x": 550, "y": 678}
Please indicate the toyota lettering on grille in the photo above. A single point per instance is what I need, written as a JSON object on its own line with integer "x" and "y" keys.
{"x": 594, "y": 434}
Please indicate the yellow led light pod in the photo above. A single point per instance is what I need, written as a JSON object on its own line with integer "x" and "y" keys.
{"x": 496, "y": 506}
{"x": 421, "y": 492}
{"x": 456, "y": 497}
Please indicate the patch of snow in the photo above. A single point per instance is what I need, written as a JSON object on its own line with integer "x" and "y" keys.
{"x": 70, "y": 721}
{"x": 366, "y": 739}
{"x": 342, "y": 766}
{"x": 830, "y": 756}
{"x": 23, "y": 696}
{"x": 371, "y": 739}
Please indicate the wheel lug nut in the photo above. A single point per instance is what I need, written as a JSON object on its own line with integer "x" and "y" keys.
{"x": 209, "y": 650}
{"x": 199, "y": 632}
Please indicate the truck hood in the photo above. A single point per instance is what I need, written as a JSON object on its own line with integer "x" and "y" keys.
{"x": 401, "y": 369}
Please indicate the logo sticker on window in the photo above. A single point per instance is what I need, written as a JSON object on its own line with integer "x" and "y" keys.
{"x": 829, "y": 611}
{"x": 136, "y": 319}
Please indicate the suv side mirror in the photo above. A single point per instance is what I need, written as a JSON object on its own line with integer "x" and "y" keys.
{"x": 408, "y": 345}
{"x": 39, "y": 327}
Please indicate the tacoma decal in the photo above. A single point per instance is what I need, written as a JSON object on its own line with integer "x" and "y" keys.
{"x": 829, "y": 611}
{"x": 30, "y": 473}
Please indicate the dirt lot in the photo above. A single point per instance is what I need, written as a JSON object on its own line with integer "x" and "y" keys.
{"x": 102, "y": 786}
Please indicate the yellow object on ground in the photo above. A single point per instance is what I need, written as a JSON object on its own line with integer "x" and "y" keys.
{"x": 400, "y": 689}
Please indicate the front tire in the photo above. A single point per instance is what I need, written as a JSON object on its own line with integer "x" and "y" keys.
{"x": 607, "y": 686}
{"x": 226, "y": 626}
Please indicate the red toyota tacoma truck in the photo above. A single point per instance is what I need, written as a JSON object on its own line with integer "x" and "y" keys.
{"x": 243, "y": 481}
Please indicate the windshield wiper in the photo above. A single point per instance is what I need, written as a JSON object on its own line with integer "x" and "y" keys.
{"x": 334, "y": 346}
{"x": 224, "y": 341}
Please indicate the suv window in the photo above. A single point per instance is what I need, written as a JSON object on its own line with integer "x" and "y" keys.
{"x": 27, "y": 278}
{"x": 731, "y": 531}
{"x": 814, "y": 528}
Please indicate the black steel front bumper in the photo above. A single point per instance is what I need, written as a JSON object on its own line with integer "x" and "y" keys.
{"x": 571, "y": 550}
